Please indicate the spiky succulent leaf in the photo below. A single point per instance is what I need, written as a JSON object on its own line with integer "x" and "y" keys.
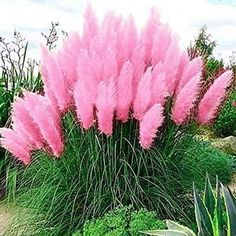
{"x": 231, "y": 210}
{"x": 175, "y": 226}
{"x": 209, "y": 198}
{"x": 204, "y": 222}
{"x": 219, "y": 219}
{"x": 164, "y": 233}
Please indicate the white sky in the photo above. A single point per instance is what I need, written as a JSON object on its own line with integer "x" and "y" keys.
{"x": 31, "y": 17}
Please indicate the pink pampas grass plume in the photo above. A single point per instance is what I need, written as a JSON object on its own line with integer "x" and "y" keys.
{"x": 149, "y": 125}
{"x": 138, "y": 64}
{"x": 24, "y": 126}
{"x": 106, "y": 104}
{"x": 127, "y": 40}
{"x": 185, "y": 100}
{"x": 55, "y": 82}
{"x": 90, "y": 26}
{"x": 14, "y": 144}
{"x": 171, "y": 64}
{"x": 84, "y": 103}
{"x": 213, "y": 97}
{"x": 149, "y": 32}
{"x": 191, "y": 69}
{"x": 159, "y": 87}
{"x": 144, "y": 95}
{"x": 86, "y": 74}
{"x": 67, "y": 59}
{"x": 161, "y": 42}
{"x": 49, "y": 124}
{"x": 110, "y": 67}
{"x": 124, "y": 92}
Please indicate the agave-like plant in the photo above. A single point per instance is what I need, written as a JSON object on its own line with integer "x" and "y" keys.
{"x": 215, "y": 214}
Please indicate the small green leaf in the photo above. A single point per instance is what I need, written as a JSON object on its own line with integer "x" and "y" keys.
{"x": 231, "y": 210}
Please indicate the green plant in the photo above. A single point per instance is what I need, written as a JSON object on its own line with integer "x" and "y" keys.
{"x": 97, "y": 173}
{"x": 225, "y": 124}
{"x": 121, "y": 221}
{"x": 215, "y": 214}
{"x": 201, "y": 157}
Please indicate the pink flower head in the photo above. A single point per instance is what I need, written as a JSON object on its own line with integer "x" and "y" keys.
{"x": 159, "y": 87}
{"x": 191, "y": 69}
{"x": 149, "y": 125}
{"x": 124, "y": 92}
{"x": 185, "y": 100}
{"x": 84, "y": 103}
{"x": 144, "y": 95}
{"x": 213, "y": 97}
{"x": 14, "y": 144}
{"x": 49, "y": 125}
{"x": 106, "y": 104}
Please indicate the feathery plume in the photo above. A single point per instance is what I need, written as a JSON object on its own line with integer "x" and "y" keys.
{"x": 106, "y": 104}
{"x": 159, "y": 87}
{"x": 152, "y": 120}
{"x": 191, "y": 69}
{"x": 185, "y": 100}
{"x": 144, "y": 95}
{"x": 14, "y": 144}
{"x": 84, "y": 104}
{"x": 213, "y": 97}
{"x": 124, "y": 92}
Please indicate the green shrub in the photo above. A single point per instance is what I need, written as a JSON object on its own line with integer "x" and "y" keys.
{"x": 200, "y": 157}
{"x": 225, "y": 124}
{"x": 120, "y": 222}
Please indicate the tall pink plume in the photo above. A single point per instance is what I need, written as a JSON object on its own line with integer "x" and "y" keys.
{"x": 149, "y": 32}
{"x": 106, "y": 104}
{"x": 191, "y": 69}
{"x": 143, "y": 97}
{"x": 86, "y": 74}
{"x": 161, "y": 41}
{"x": 152, "y": 120}
{"x": 127, "y": 40}
{"x": 124, "y": 92}
{"x": 185, "y": 100}
{"x": 90, "y": 26}
{"x": 212, "y": 99}
{"x": 84, "y": 104}
{"x": 171, "y": 64}
{"x": 110, "y": 67}
{"x": 67, "y": 59}
{"x": 56, "y": 84}
{"x": 14, "y": 144}
{"x": 49, "y": 125}
{"x": 138, "y": 64}
{"x": 23, "y": 124}
{"x": 44, "y": 71}
{"x": 159, "y": 87}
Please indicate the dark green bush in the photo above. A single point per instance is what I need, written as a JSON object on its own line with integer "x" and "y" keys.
{"x": 225, "y": 124}
{"x": 200, "y": 158}
{"x": 120, "y": 222}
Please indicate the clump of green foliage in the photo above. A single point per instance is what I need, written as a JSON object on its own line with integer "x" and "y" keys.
{"x": 201, "y": 158}
{"x": 98, "y": 173}
{"x": 122, "y": 221}
{"x": 225, "y": 124}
